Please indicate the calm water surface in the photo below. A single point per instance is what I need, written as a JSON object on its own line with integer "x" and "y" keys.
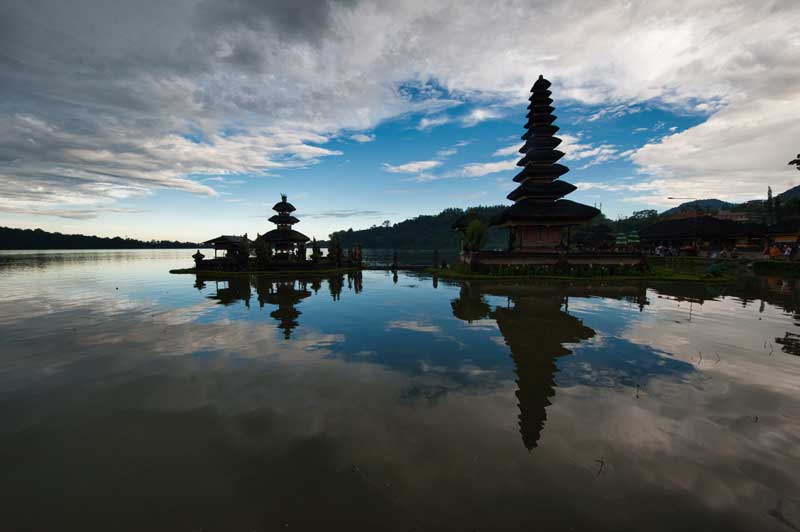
{"x": 132, "y": 399}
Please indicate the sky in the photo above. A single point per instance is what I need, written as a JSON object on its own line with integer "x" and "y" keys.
{"x": 186, "y": 119}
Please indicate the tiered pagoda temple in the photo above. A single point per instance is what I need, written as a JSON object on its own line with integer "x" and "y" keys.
{"x": 540, "y": 219}
{"x": 539, "y": 215}
{"x": 281, "y": 249}
{"x": 284, "y": 241}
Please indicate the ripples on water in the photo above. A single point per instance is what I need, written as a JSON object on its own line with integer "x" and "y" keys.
{"x": 131, "y": 399}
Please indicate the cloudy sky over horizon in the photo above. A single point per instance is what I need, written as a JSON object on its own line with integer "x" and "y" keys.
{"x": 187, "y": 118}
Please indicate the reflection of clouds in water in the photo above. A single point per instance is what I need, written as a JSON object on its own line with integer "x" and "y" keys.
{"x": 664, "y": 446}
{"x": 499, "y": 340}
{"x": 480, "y": 324}
{"x": 411, "y": 325}
{"x": 91, "y": 338}
{"x": 598, "y": 341}
{"x": 679, "y": 436}
{"x": 723, "y": 339}
{"x": 221, "y": 405}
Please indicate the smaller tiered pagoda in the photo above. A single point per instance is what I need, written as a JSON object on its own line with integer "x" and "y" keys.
{"x": 284, "y": 242}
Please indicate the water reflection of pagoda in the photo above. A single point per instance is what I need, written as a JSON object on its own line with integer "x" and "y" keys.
{"x": 535, "y": 327}
{"x": 285, "y": 295}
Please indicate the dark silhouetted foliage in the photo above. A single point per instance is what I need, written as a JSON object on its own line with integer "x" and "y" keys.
{"x": 424, "y": 232}
{"x": 11, "y": 238}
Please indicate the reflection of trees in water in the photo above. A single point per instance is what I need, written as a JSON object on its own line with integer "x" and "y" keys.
{"x": 470, "y": 305}
{"x": 760, "y": 290}
{"x": 790, "y": 343}
{"x": 535, "y": 329}
{"x": 335, "y": 284}
{"x": 285, "y": 294}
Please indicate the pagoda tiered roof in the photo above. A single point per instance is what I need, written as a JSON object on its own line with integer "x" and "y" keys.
{"x": 537, "y": 198}
{"x": 284, "y": 220}
{"x": 534, "y": 212}
{"x": 543, "y": 191}
{"x": 284, "y": 235}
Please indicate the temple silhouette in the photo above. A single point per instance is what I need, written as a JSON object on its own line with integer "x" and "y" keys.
{"x": 538, "y": 217}
{"x": 540, "y": 220}
{"x": 281, "y": 249}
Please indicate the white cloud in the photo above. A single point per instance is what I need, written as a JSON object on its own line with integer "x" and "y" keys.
{"x": 362, "y": 137}
{"x": 576, "y": 150}
{"x": 429, "y": 123}
{"x": 733, "y": 156}
{"x": 476, "y": 116}
{"x": 108, "y": 96}
{"x": 452, "y": 150}
{"x": 412, "y": 167}
{"x": 508, "y": 150}
{"x": 482, "y": 169}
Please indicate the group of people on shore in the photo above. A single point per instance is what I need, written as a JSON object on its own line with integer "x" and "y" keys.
{"x": 772, "y": 252}
{"x": 666, "y": 251}
{"x": 776, "y": 252}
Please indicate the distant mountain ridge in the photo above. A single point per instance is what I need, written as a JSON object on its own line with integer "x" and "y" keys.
{"x": 11, "y": 238}
{"x": 792, "y": 193}
{"x": 716, "y": 204}
{"x": 704, "y": 204}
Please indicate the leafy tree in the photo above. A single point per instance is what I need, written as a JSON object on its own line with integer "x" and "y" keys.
{"x": 645, "y": 214}
{"x": 475, "y": 235}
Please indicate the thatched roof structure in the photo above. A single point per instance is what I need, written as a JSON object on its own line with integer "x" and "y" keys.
{"x": 529, "y": 210}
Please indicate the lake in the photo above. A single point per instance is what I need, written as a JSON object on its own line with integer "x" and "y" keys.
{"x": 132, "y": 399}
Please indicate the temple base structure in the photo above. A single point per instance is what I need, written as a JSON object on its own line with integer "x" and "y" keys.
{"x": 487, "y": 259}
